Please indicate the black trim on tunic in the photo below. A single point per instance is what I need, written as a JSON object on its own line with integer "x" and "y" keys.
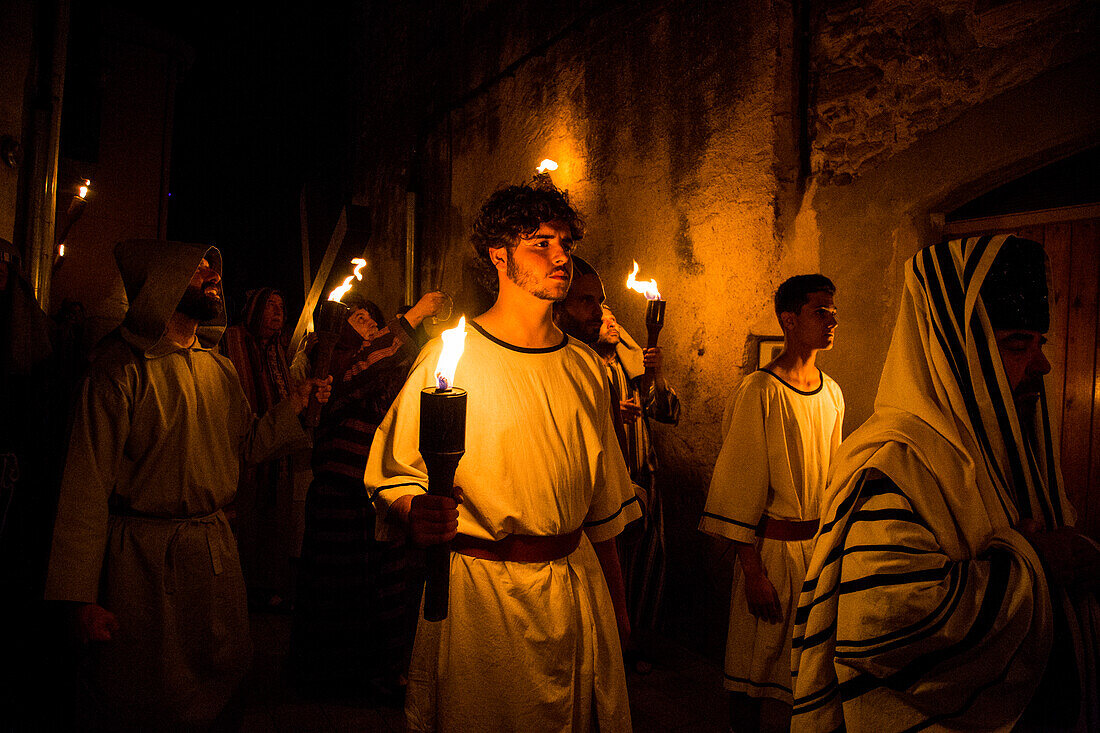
{"x": 521, "y": 349}
{"x": 788, "y": 385}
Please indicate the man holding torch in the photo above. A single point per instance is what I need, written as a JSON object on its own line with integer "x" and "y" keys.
{"x": 584, "y": 315}
{"x": 530, "y": 640}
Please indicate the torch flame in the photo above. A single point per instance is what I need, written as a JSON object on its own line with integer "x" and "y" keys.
{"x": 454, "y": 339}
{"x": 546, "y": 165}
{"x": 648, "y": 289}
{"x": 82, "y": 192}
{"x": 341, "y": 291}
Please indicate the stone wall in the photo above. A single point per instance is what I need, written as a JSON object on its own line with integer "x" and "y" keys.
{"x": 660, "y": 116}
{"x": 887, "y": 73}
{"x": 917, "y": 108}
{"x": 16, "y": 30}
{"x": 676, "y": 126}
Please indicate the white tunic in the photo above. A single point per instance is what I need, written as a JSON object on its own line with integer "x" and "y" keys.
{"x": 774, "y": 461}
{"x": 525, "y": 646}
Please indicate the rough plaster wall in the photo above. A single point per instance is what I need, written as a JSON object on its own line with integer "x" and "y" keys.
{"x": 127, "y": 181}
{"x": 889, "y": 71}
{"x": 662, "y": 125}
{"x": 16, "y": 26}
{"x": 920, "y": 107}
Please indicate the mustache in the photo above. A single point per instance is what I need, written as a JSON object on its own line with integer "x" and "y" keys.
{"x": 1031, "y": 385}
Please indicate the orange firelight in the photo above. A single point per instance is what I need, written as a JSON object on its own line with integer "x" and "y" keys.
{"x": 454, "y": 341}
{"x": 648, "y": 289}
{"x": 341, "y": 291}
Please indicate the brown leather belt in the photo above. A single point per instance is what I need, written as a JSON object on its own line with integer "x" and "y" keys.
{"x": 786, "y": 530}
{"x": 519, "y": 547}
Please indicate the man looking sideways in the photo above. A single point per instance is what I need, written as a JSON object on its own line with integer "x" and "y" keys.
{"x": 781, "y": 429}
{"x": 530, "y": 641}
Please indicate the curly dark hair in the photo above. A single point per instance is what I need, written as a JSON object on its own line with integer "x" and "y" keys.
{"x": 519, "y": 210}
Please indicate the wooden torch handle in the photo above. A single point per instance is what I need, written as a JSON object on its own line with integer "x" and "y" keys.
{"x": 322, "y": 363}
{"x": 437, "y": 581}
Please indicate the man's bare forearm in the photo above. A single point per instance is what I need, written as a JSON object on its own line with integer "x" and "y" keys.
{"x": 612, "y": 572}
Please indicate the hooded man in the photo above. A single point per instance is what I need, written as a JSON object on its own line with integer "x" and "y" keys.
{"x": 947, "y": 588}
{"x": 141, "y": 545}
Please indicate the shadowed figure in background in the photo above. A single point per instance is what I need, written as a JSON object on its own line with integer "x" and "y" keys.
{"x": 141, "y": 547}
{"x": 947, "y": 576}
{"x": 269, "y": 510}
{"x": 781, "y": 430}
{"x": 584, "y": 315}
{"x": 532, "y": 638}
{"x": 31, "y": 422}
{"x": 357, "y": 597}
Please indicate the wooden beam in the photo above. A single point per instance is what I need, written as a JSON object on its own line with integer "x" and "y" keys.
{"x": 990, "y": 224}
{"x": 305, "y": 320}
{"x": 307, "y": 276}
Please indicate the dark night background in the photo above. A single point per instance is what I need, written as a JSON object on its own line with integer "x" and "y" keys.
{"x": 262, "y": 111}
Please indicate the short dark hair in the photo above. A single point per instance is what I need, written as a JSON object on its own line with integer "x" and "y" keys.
{"x": 795, "y": 292}
{"x": 519, "y": 210}
{"x": 581, "y": 267}
{"x": 354, "y": 301}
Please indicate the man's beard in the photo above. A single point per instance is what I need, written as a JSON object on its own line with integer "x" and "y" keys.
{"x": 199, "y": 306}
{"x": 580, "y": 330}
{"x": 528, "y": 281}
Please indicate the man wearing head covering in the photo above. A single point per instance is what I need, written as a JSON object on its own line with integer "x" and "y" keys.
{"x": 948, "y": 589}
{"x": 781, "y": 430}
{"x": 268, "y": 512}
{"x": 585, "y": 316}
{"x": 141, "y": 547}
{"x": 531, "y": 641}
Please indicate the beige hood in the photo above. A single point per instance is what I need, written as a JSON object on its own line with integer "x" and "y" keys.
{"x": 156, "y": 274}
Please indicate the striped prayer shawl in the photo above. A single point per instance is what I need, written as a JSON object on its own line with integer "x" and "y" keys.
{"x": 922, "y": 606}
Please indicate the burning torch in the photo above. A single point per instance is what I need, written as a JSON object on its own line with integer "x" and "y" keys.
{"x": 329, "y": 321}
{"x": 654, "y": 316}
{"x": 442, "y": 444}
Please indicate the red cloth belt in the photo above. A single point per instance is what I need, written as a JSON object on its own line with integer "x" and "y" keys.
{"x": 786, "y": 530}
{"x": 519, "y": 547}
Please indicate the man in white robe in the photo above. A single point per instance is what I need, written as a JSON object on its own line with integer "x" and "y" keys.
{"x": 141, "y": 547}
{"x": 584, "y": 315}
{"x": 531, "y": 640}
{"x": 948, "y": 589}
{"x": 781, "y": 429}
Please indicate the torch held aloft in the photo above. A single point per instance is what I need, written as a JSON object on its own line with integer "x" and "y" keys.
{"x": 330, "y": 319}
{"x": 654, "y": 320}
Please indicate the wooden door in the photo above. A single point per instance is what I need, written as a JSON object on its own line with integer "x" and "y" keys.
{"x": 1071, "y": 238}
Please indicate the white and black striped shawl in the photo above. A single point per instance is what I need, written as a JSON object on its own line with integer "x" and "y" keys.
{"x": 922, "y": 607}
